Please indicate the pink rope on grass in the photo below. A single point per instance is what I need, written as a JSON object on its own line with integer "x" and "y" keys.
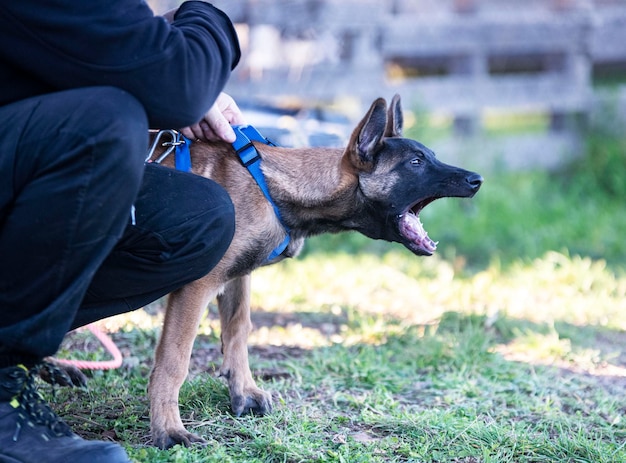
{"x": 107, "y": 343}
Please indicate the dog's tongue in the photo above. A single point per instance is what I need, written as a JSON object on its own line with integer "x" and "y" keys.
{"x": 412, "y": 229}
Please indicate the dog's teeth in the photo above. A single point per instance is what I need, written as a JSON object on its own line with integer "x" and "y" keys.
{"x": 411, "y": 227}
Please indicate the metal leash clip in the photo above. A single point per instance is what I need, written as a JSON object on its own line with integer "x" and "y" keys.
{"x": 176, "y": 140}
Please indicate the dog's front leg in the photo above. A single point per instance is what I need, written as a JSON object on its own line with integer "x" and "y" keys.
{"x": 234, "y": 307}
{"x": 171, "y": 364}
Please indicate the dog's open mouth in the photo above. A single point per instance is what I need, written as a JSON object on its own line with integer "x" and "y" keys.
{"x": 412, "y": 230}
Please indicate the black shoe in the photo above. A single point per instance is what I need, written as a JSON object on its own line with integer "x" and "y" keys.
{"x": 31, "y": 432}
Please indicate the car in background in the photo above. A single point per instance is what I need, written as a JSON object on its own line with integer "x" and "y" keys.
{"x": 297, "y": 126}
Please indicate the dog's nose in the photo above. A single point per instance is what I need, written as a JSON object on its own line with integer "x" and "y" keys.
{"x": 475, "y": 180}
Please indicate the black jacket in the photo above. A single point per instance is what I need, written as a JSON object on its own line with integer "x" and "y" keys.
{"x": 176, "y": 71}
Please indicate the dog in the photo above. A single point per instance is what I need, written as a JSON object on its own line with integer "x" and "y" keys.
{"x": 377, "y": 186}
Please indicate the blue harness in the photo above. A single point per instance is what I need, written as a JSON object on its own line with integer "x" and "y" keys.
{"x": 251, "y": 160}
{"x": 248, "y": 155}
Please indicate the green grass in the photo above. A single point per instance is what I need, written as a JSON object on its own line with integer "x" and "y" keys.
{"x": 523, "y": 364}
{"x": 506, "y": 346}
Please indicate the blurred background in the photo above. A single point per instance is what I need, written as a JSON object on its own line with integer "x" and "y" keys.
{"x": 531, "y": 93}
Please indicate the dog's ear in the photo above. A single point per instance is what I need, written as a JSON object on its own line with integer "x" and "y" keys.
{"x": 366, "y": 139}
{"x": 395, "y": 120}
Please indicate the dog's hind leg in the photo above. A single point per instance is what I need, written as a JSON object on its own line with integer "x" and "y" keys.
{"x": 234, "y": 307}
{"x": 171, "y": 364}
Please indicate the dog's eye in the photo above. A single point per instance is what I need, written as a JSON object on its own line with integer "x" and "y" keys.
{"x": 416, "y": 161}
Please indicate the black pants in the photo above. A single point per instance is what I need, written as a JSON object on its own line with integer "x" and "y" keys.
{"x": 71, "y": 167}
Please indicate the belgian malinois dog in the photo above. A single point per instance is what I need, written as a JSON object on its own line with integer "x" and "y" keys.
{"x": 377, "y": 185}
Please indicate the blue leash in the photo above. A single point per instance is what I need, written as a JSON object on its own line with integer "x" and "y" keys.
{"x": 251, "y": 160}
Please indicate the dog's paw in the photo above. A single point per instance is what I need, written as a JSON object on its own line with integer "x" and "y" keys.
{"x": 166, "y": 439}
{"x": 255, "y": 402}
{"x": 55, "y": 373}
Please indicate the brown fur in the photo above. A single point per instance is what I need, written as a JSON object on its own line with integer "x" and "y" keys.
{"x": 317, "y": 190}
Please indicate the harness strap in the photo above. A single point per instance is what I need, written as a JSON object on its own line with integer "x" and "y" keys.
{"x": 182, "y": 156}
{"x": 251, "y": 160}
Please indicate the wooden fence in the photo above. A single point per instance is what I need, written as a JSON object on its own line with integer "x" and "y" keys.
{"x": 460, "y": 58}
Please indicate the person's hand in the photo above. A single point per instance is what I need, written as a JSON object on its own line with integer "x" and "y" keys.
{"x": 216, "y": 124}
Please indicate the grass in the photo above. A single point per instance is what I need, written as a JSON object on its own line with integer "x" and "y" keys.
{"x": 507, "y": 346}
{"x": 477, "y": 368}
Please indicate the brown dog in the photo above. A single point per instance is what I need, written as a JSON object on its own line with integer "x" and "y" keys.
{"x": 378, "y": 185}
